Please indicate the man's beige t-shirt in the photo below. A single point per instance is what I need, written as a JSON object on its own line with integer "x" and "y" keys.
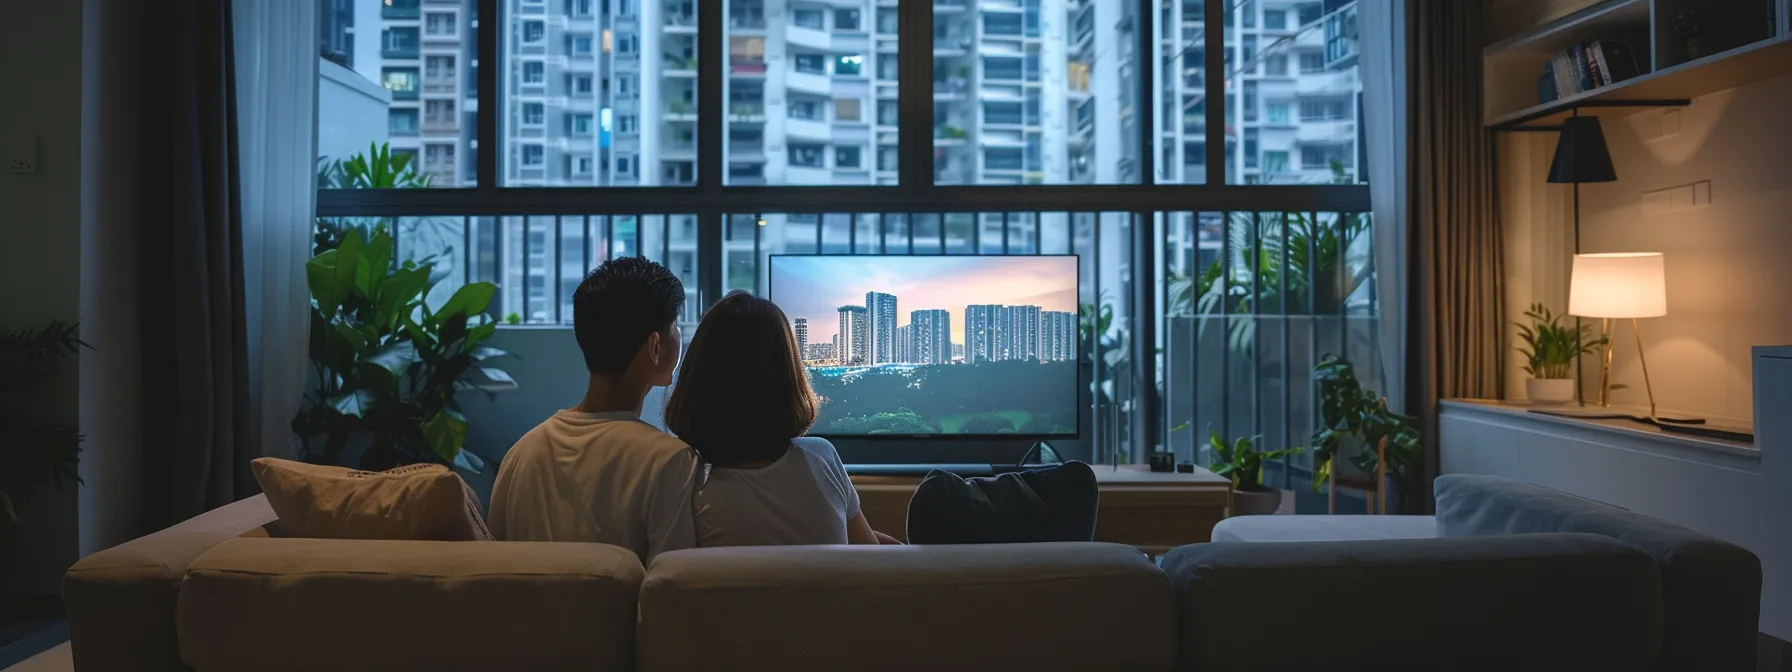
{"x": 597, "y": 477}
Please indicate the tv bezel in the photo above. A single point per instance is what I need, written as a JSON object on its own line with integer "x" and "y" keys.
{"x": 1078, "y": 392}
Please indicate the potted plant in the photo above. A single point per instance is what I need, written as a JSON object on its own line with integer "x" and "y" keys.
{"x": 1384, "y": 443}
{"x": 1243, "y": 463}
{"x": 386, "y": 366}
{"x": 37, "y": 451}
{"x": 1549, "y": 350}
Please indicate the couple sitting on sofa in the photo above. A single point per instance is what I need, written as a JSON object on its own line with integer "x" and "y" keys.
{"x": 748, "y": 477}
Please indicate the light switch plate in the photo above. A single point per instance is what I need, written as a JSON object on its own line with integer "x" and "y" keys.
{"x": 1675, "y": 199}
{"x": 21, "y": 153}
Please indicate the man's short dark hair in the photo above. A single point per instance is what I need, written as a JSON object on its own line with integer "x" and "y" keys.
{"x": 618, "y": 306}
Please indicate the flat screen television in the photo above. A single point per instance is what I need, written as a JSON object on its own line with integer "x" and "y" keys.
{"x": 920, "y": 347}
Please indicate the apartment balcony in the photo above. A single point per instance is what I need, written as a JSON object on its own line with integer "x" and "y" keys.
{"x": 678, "y": 110}
{"x": 450, "y": 125}
{"x": 401, "y": 10}
{"x": 1334, "y": 83}
{"x": 949, "y": 46}
{"x": 674, "y": 66}
{"x": 808, "y": 38}
{"x": 754, "y": 69}
{"x": 679, "y": 24}
{"x": 946, "y": 6}
{"x": 1325, "y": 132}
{"x": 809, "y": 82}
{"x": 745, "y": 25}
{"x": 1340, "y": 37}
{"x": 678, "y": 151}
{"x": 404, "y": 50}
{"x": 951, "y": 89}
{"x": 1000, "y": 5}
{"x": 746, "y": 152}
{"x": 403, "y": 94}
{"x": 747, "y": 113}
{"x": 807, "y": 175}
{"x": 808, "y": 129}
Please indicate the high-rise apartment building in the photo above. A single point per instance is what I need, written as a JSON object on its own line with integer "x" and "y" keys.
{"x": 854, "y": 338}
{"x": 1057, "y": 335}
{"x": 1293, "y": 94}
{"x": 801, "y": 327}
{"x": 905, "y": 344}
{"x": 880, "y": 310}
{"x": 985, "y": 329}
{"x": 930, "y": 337}
{"x": 1021, "y": 338}
{"x": 421, "y": 52}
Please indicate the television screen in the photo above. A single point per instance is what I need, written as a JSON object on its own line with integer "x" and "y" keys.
{"x": 936, "y": 345}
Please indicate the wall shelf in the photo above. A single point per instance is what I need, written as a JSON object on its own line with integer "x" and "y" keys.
{"x": 1513, "y": 65}
{"x": 1728, "y": 70}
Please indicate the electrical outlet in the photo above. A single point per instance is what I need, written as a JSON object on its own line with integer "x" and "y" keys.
{"x": 21, "y": 154}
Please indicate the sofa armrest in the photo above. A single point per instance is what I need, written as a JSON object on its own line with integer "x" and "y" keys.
{"x": 120, "y": 601}
{"x": 336, "y": 604}
{"x": 1530, "y": 602}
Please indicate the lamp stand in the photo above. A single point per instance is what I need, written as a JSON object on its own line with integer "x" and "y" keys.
{"x": 1605, "y": 385}
{"x": 1605, "y": 363}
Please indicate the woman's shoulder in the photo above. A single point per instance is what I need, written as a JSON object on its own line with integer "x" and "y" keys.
{"x": 816, "y": 446}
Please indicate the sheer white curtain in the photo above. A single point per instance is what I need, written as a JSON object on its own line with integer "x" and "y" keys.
{"x": 276, "y": 80}
{"x": 1381, "y": 26}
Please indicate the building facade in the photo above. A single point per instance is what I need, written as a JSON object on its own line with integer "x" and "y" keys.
{"x": 880, "y": 314}
{"x": 801, "y": 327}
{"x": 931, "y": 337}
{"x": 853, "y": 341}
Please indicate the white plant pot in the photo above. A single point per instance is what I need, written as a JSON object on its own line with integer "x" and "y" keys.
{"x": 1549, "y": 391}
{"x": 1246, "y": 503}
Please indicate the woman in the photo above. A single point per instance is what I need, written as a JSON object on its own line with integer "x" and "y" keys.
{"x": 743, "y": 401}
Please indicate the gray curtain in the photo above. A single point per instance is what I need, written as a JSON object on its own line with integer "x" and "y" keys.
{"x": 1457, "y": 281}
{"x": 195, "y": 385}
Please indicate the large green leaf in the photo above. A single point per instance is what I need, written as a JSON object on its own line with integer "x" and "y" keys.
{"x": 397, "y": 293}
{"x": 446, "y": 434}
{"x": 395, "y": 358}
{"x": 356, "y": 403}
{"x": 469, "y": 300}
{"x": 331, "y": 274}
{"x": 376, "y": 258}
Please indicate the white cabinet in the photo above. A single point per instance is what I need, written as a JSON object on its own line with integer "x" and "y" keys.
{"x": 1773, "y": 433}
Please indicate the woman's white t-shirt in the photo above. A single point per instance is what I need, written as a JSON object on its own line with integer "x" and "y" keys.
{"x": 805, "y": 497}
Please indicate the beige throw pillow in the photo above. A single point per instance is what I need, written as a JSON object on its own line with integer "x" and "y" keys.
{"x": 420, "y": 502}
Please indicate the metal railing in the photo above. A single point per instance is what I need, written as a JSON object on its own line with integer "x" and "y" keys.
{"x": 1247, "y": 303}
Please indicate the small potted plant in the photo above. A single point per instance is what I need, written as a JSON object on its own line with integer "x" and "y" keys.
{"x": 1242, "y": 463}
{"x": 1549, "y": 350}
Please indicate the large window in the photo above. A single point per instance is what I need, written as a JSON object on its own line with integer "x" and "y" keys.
{"x": 710, "y": 135}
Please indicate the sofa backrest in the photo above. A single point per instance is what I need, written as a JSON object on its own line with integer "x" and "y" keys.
{"x": 1046, "y": 606}
{"x": 330, "y": 604}
{"x": 1529, "y": 602}
{"x": 1711, "y": 589}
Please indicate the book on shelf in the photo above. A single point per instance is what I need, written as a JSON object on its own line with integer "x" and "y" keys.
{"x": 1584, "y": 67}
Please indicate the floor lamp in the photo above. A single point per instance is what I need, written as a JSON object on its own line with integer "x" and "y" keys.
{"x": 1581, "y": 157}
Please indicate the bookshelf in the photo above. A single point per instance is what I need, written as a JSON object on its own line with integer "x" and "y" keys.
{"x": 1741, "y": 42}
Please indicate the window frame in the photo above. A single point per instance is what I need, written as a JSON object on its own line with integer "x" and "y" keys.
{"x": 710, "y": 200}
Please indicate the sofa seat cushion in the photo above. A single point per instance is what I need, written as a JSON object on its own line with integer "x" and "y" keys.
{"x": 331, "y": 604}
{"x": 1534, "y": 602}
{"x": 1044, "y": 606}
{"x": 1324, "y": 528}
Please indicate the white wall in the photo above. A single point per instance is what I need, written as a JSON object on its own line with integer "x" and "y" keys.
{"x": 1727, "y": 263}
{"x": 351, "y": 111}
{"x": 40, "y": 93}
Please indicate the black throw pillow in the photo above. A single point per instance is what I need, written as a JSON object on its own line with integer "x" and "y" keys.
{"x": 1051, "y": 504}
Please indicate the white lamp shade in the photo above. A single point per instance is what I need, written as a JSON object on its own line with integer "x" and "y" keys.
{"x": 1632, "y": 284}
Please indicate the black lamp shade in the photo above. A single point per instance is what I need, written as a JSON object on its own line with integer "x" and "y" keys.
{"x": 1581, "y": 156}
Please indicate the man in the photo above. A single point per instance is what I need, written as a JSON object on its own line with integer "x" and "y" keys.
{"x": 596, "y": 472}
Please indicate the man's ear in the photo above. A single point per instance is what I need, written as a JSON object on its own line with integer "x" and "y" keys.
{"x": 653, "y": 349}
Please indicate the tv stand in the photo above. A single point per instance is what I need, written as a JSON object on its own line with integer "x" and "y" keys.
{"x": 1154, "y": 511}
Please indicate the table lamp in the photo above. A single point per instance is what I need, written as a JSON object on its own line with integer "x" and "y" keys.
{"x": 1629, "y": 285}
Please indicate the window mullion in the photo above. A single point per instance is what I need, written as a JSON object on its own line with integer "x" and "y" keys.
{"x": 914, "y": 48}
{"x": 490, "y": 98}
{"x": 1214, "y": 42}
{"x": 711, "y": 124}
{"x": 1146, "y": 55}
